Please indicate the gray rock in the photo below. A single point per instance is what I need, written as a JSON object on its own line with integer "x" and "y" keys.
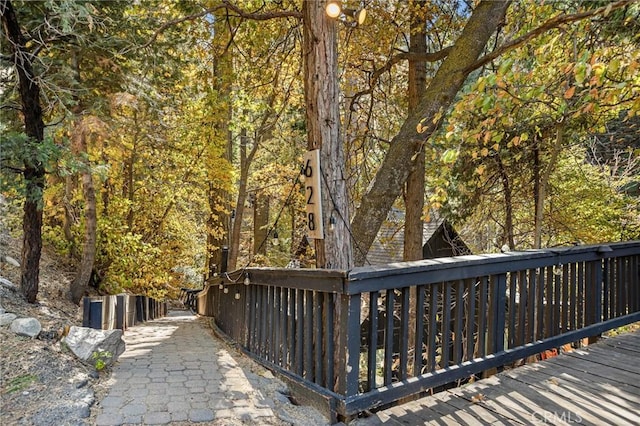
{"x": 7, "y": 318}
{"x": 8, "y": 284}
{"x": 10, "y": 260}
{"x": 71, "y": 409}
{"x": 29, "y": 327}
{"x": 84, "y": 342}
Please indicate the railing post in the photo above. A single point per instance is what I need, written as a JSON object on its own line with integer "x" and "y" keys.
{"x": 593, "y": 295}
{"x": 347, "y": 326}
{"x": 95, "y": 314}
{"x": 86, "y": 311}
{"x": 121, "y": 312}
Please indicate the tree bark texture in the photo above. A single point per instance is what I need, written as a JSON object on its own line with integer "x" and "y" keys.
{"x": 260, "y": 223}
{"x": 414, "y": 195}
{"x": 323, "y": 132}
{"x": 419, "y": 126}
{"x": 34, "y": 170}
{"x": 236, "y": 227}
{"x": 79, "y": 147}
{"x": 508, "y": 205}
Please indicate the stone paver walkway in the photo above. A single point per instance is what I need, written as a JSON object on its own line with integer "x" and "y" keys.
{"x": 174, "y": 371}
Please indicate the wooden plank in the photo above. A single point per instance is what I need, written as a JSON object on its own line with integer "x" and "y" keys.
{"x": 572, "y": 410}
{"x": 490, "y": 394}
{"x": 576, "y": 382}
{"x": 599, "y": 372}
{"x": 612, "y": 357}
{"x": 477, "y": 412}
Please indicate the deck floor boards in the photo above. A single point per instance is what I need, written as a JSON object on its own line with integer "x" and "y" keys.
{"x": 595, "y": 385}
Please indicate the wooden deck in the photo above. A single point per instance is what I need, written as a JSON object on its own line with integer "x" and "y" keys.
{"x": 597, "y": 385}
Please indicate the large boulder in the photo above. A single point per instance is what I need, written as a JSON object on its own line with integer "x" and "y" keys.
{"x": 29, "y": 327}
{"x": 85, "y": 342}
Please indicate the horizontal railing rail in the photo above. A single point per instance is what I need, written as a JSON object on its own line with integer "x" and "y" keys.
{"x": 370, "y": 336}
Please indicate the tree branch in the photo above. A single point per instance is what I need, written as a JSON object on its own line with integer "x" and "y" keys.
{"x": 404, "y": 56}
{"x": 550, "y": 24}
{"x": 229, "y": 6}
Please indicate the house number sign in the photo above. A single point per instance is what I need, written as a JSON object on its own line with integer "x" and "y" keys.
{"x": 311, "y": 172}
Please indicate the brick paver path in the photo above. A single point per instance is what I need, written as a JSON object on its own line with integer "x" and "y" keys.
{"x": 174, "y": 371}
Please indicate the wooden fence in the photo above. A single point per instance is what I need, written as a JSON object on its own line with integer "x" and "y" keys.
{"x": 370, "y": 336}
{"x": 120, "y": 311}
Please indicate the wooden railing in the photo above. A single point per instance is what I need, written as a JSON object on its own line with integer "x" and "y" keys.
{"x": 370, "y": 336}
{"x": 120, "y": 311}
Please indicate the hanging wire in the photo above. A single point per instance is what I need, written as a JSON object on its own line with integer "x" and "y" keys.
{"x": 346, "y": 222}
{"x": 241, "y": 272}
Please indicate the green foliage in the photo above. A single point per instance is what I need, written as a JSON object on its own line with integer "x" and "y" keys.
{"x": 101, "y": 358}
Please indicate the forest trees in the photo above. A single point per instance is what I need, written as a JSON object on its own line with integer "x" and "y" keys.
{"x": 194, "y": 110}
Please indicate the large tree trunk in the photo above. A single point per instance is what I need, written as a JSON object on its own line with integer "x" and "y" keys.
{"x": 260, "y": 223}
{"x": 425, "y": 120}
{"x": 414, "y": 196}
{"x": 236, "y": 227}
{"x": 543, "y": 181}
{"x": 508, "y": 205}
{"x": 34, "y": 169}
{"x": 79, "y": 147}
{"x": 323, "y": 132}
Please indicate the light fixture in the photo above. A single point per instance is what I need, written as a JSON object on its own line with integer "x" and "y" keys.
{"x": 334, "y": 10}
{"x": 237, "y": 296}
{"x": 221, "y": 286}
{"x": 332, "y": 223}
{"x": 247, "y": 281}
{"x": 276, "y": 241}
{"x": 226, "y": 290}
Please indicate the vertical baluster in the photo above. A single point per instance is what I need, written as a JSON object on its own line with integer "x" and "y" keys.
{"x": 531, "y": 305}
{"x": 329, "y": 354}
{"x": 308, "y": 335}
{"x": 317, "y": 338}
{"x": 446, "y": 324}
{"x": 513, "y": 304}
{"x": 300, "y": 334}
{"x": 419, "y": 331}
{"x": 433, "y": 326}
{"x": 472, "y": 315}
{"x": 388, "y": 337}
{"x": 522, "y": 307}
{"x": 404, "y": 333}
{"x": 373, "y": 339}
{"x": 564, "y": 322}
{"x": 573, "y": 297}
{"x": 483, "y": 312}
{"x": 457, "y": 337}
